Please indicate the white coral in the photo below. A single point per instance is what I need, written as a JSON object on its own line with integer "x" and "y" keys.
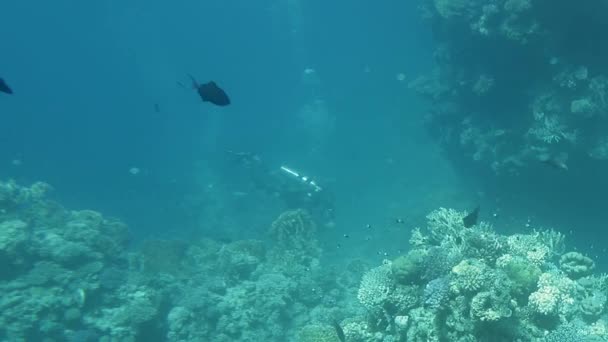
{"x": 445, "y": 224}
{"x": 545, "y": 300}
{"x": 554, "y": 294}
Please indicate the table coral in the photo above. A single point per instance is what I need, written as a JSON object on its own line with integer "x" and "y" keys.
{"x": 593, "y": 306}
{"x": 576, "y": 265}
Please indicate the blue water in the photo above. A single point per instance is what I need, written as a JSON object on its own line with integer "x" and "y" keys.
{"x": 87, "y": 77}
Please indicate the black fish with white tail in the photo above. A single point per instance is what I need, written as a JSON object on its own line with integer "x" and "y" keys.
{"x": 471, "y": 219}
{"x": 211, "y": 92}
{"x": 4, "y": 87}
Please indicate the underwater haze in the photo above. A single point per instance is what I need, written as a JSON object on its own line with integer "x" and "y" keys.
{"x": 303, "y": 170}
{"x": 87, "y": 78}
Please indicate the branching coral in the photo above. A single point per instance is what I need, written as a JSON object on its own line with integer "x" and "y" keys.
{"x": 553, "y": 240}
{"x": 551, "y": 129}
{"x": 553, "y": 296}
{"x": 470, "y": 276}
{"x": 445, "y": 227}
{"x": 530, "y": 247}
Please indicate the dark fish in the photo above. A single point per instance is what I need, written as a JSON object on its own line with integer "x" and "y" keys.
{"x": 210, "y": 92}
{"x": 339, "y": 331}
{"x": 555, "y": 161}
{"x": 156, "y": 108}
{"x": 471, "y": 219}
{"x": 4, "y": 87}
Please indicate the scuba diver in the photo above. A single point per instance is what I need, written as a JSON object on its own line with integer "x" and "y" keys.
{"x": 294, "y": 189}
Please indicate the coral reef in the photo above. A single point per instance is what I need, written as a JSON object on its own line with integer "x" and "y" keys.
{"x": 516, "y": 293}
{"x": 68, "y": 276}
{"x": 52, "y": 262}
{"x": 511, "y": 85}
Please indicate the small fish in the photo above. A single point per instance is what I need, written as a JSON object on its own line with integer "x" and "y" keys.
{"x": 156, "y": 108}
{"x": 555, "y": 161}
{"x": 339, "y": 331}
{"x": 471, "y": 219}
{"x": 210, "y": 92}
{"x": 399, "y": 220}
{"x": 4, "y": 87}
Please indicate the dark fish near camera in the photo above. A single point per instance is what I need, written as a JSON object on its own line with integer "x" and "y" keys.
{"x": 4, "y": 87}
{"x": 471, "y": 219}
{"x": 339, "y": 331}
{"x": 211, "y": 92}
